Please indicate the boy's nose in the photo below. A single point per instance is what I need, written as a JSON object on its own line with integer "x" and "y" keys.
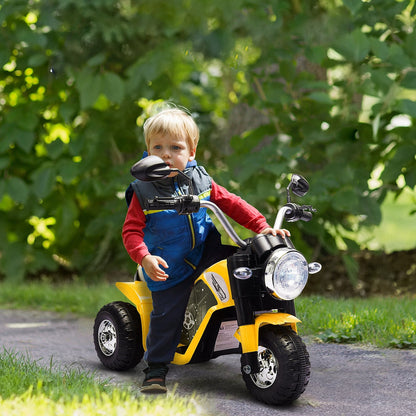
{"x": 165, "y": 154}
{"x": 163, "y": 151}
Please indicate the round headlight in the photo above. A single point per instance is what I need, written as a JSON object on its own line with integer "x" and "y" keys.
{"x": 286, "y": 273}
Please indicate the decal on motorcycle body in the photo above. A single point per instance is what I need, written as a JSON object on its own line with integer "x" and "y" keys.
{"x": 225, "y": 338}
{"x": 218, "y": 286}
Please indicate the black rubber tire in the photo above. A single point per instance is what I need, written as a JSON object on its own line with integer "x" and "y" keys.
{"x": 118, "y": 336}
{"x": 292, "y": 367}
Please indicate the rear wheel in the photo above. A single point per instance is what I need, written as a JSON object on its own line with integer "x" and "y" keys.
{"x": 118, "y": 336}
{"x": 284, "y": 367}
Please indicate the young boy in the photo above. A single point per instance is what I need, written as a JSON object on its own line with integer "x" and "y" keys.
{"x": 174, "y": 249}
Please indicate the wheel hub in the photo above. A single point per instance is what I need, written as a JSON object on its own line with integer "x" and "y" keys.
{"x": 107, "y": 337}
{"x": 268, "y": 369}
{"x": 189, "y": 321}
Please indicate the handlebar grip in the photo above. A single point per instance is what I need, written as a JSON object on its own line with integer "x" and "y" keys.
{"x": 295, "y": 212}
{"x": 161, "y": 203}
{"x": 183, "y": 205}
{"x": 306, "y": 216}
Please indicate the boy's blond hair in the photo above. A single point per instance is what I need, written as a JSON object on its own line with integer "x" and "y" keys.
{"x": 173, "y": 122}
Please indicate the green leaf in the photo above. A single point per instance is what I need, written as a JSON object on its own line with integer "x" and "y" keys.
{"x": 316, "y": 53}
{"x": 150, "y": 66}
{"x": 275, "y": 93}
{"x": 371, "y": 208}
{"x": 41, "y": 260}
{"x": 410, "y": 177}
{"x": 409, "y": 81}
{"x": 251, "y": 138}
{"x": 321, "y": 98}
{"x": 380, "y": 80}
{"x": 66, "y": 215}
{"x": 68, "y": 110}
{"x": 4, "y": 57}
{"x": 353, "y": 46}
{"x": 23, "y": 117}
{"x": 351, "y": 245}
{"x": 409, "y": 47}
{"x": 398, "y": 57}
{"x": 4, "y": 162}
{"x": 347, "y": 200}
{"x": 12, "y": 262}
{"x": 55, "y": 148}
{"x": 37, "y": 60}
{"x": 11, "y": 133}
{"x": 403, "y": 155}
{"x": 25, "y": 139}
{"x": 113, "y": 87}
{"x": 17, "y": 189}
{"x": 89, "y": 86}
{"x": 43, "y": 180}
{"x": 68, "y": 170}
{"x": 97, "y": 60}
{"x": 380, "y": 49}
{"x": 407, "y": 107}
{"x": 352, "y": 5}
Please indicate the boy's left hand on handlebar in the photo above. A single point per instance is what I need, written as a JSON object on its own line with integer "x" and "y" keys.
{"x": 282, "y": 232}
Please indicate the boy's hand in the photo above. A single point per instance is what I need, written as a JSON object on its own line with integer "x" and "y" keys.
{"x": 282, "y": 232}
{"x": 151, "y": 264}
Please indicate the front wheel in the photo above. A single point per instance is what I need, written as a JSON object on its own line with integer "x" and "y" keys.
{"x": 118, "y": 336}
{"x": 284, "y": 367}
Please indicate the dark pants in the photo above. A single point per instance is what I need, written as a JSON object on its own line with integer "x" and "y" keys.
{"x": 169, "y": 305}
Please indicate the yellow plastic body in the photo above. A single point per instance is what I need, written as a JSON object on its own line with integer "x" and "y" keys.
{"x": 139, "y": 294}
{"x": 247, "y": 335}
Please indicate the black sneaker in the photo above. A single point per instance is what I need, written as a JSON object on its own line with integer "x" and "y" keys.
{"x": 155, "y": 385}
{"x": 154, "y": 381}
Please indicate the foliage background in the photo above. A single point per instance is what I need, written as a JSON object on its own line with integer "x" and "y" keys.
{"x": 325, "y": 88}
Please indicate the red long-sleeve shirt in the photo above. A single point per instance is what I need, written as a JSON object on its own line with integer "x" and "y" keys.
{"x": 232, "y": 205}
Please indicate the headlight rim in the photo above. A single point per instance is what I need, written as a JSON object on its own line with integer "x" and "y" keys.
{"x": 271, "y": 265}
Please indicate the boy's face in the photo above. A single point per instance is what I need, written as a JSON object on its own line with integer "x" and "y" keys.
{"x": 174, "y": 151}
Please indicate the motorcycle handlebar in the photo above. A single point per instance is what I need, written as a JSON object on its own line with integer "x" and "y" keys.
{"x": 188, "y": 204}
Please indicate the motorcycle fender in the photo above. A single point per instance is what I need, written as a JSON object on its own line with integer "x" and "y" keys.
{"x": 248, "y": 335}
{"x": 139, "y": 294}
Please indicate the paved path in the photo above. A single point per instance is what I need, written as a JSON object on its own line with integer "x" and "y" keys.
{"x": 345, "y": 379}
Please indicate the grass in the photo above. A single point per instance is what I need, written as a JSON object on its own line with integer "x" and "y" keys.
{"x": 27, "y": 388}
{"x": 19, "y": 374}
{"x": 70, "y": 297}
{"x": 380, "y": 321}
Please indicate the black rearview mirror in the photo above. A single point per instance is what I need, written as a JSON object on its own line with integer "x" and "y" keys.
{"x": 298, "y": 185}
{"x": 151, "y": 168}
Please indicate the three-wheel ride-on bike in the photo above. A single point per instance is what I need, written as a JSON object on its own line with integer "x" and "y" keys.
{"x": 242, "y": 305}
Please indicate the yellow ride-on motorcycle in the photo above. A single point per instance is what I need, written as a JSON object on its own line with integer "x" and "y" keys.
{"x": 241, "y": 305}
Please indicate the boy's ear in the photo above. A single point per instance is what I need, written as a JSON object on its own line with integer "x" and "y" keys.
{"x": 192, "y": 155}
